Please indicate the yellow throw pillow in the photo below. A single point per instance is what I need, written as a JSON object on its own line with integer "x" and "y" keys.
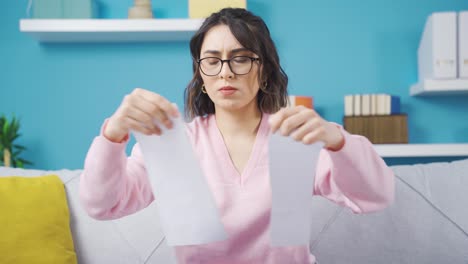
{"x": 34, "y": 221}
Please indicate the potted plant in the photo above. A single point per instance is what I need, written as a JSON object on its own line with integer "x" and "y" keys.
{"x": 9, "y": 133}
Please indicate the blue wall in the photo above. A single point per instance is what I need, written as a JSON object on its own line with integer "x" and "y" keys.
{"x": 63, "y": 92}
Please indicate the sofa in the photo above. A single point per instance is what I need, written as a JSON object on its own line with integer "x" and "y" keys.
{"x": 427, "y": 223}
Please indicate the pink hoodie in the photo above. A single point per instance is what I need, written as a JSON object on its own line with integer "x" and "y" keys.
{"x": 113, "y": 186}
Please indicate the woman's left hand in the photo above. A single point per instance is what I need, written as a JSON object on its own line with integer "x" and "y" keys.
{"x": 305, "y": 125}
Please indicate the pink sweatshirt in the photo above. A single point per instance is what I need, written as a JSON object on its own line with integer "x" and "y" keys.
{"x": 114, "y": 186}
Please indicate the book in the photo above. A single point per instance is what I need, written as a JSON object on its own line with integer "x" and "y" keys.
{"x": 385, "y": 129}
{"x": 380, "y": 106}
{"x": 373, "y": 104}
{"x": 437, "y": 52}
{"x": 366, "y": 104}
{"x": 357, "y": 106}
{"x": 463, "y": 45}
{"x": 307, "y": 101}
{"x": 348, "y": 105}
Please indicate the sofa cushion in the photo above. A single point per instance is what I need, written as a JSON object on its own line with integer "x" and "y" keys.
{"x": 411, "y": 230}
{"x": 97, "y": 241}
{"x": 443, "y": 184}
{"x": 34, "y": 226}
{"x": 143, "y": 231}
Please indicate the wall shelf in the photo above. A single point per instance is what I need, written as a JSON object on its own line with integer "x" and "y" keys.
{"x": 421, "y": 150}
{"x": 440, "y": 87}
{"x": 110, "y": 30}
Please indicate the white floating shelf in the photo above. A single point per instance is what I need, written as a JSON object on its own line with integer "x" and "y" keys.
{"x": 440, "y": 87}
{"x": 421, "y": 150}
{"x": 110, "y": 30}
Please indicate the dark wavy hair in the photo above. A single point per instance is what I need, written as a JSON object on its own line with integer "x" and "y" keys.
{"x": 253, "y": 34}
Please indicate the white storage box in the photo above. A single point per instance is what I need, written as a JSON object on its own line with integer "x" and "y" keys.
{"x": 437, "y": 53}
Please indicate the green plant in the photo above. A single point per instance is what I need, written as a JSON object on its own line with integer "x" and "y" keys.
{"x": 9, "y": 133}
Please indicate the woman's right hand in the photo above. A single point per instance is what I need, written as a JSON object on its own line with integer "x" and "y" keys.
{"x": 137, "y": 112}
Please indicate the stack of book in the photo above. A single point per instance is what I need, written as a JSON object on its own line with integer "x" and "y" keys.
{"x": 377, "y": 117}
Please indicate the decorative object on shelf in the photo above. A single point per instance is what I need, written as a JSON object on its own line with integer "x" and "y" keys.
{"x": 437, "y": 52}
{"x": 384, "y": 129}
{"x": 204, "y": 8}
{"x": 307, "y": 101}
{"x": 46, "y": 8}
{"x": 63, "y": 9}
{"x": 377, "y": 117}
{"x": 9, "y": 133}
{"x": 141, "y": 10}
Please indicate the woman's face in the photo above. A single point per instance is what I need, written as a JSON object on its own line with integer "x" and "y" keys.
{"x": 227, "y": 90}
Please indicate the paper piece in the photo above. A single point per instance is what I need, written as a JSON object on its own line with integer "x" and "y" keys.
{"x": 292, "y": 176}
{"x": 186, "y": 206}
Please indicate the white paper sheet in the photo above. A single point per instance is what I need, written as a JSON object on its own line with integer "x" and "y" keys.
{"x": 292, "y": 176}
{"x": 186, "y": 206}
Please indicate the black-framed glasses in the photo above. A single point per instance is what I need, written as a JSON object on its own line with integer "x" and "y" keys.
{"x": 239, "y": 65}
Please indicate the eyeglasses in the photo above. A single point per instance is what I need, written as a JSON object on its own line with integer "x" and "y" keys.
{"x": 239, "y": 65}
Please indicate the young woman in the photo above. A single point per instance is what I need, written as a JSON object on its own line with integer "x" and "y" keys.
{"x": 236, "y": 99}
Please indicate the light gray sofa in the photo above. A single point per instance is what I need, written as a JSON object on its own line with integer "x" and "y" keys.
{"x": 428, "y": 223}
